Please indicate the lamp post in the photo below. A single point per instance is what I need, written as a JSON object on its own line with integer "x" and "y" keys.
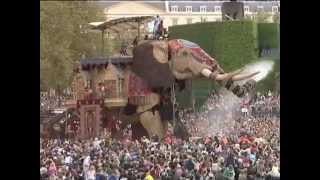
{"x": 173, "y": 100}
{"x": 139, "y": 23}
{"x": 102, "y": 38}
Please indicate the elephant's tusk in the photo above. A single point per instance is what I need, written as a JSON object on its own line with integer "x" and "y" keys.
{"x": 242, "y": 76}
{"x": 235, "y": 75}
{"x": 206, "y": 72}
{"x": 226, "y": 76}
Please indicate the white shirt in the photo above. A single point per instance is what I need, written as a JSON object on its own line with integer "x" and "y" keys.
{"x": 215, "y": 167}
{"x": 43, "y": 170}
{"x": 197, "y": 166}
{"x": 86, "y": 163}
{"x": 244, "y": 110}
{"x": 68, "y": 160}
{"x": 96, "y": 144}
{"x": 91, "y": 175}
{"x": 275, "y": 172}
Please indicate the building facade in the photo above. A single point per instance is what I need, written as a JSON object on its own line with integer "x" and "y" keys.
{"x": 184, "y": 12}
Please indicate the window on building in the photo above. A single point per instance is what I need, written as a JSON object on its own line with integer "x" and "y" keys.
{"x": 217, "y": 8}
{"x": 88, "y": 83}
{"x": 174, "y": 21}
{"x": 246, "y": 9}
{"x": 110, "y": 88}
{"x": 188, "y": 8}
{"x": 189, "y": 20}
{"x": 203, "y": 9}
{"x": 174, "y": 8}
{"x": 274, "y": 9}
{"x": 260, "y": 8}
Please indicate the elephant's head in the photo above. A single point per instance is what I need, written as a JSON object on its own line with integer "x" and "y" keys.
{"x": 161, "y": 62}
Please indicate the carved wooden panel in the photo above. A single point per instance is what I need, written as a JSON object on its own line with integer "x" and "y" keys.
{"x": 78, "y": 87}
{"x": 90, "y": 121}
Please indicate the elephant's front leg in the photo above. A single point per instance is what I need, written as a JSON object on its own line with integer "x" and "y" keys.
{"x": 153, "y": 124}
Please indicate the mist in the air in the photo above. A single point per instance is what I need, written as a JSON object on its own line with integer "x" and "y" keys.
{"x": 223, "y": 109}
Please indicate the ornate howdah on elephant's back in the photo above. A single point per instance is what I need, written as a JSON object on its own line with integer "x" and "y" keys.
{"x": 197, "y": 51}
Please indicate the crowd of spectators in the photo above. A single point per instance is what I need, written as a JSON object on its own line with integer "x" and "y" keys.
{"x": 219, "y": 112}
{"x": 245, "y": 145}
{"x": 47, "y": 103}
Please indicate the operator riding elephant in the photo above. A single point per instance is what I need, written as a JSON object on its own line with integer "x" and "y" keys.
{"x": 162, "y": 63}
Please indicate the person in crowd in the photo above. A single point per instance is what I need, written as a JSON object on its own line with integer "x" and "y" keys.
{"x": 52, "y": 171}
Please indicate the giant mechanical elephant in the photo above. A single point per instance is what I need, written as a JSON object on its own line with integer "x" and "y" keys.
{"x": 160, "y": 64}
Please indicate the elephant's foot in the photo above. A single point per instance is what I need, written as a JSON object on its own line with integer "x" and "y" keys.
{"x": 180, "y": 130}
{"x": 138, "y": 131}
{"x": 153, "y": 124}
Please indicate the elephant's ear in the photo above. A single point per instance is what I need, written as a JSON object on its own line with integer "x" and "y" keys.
{"x": 150, "y": 62}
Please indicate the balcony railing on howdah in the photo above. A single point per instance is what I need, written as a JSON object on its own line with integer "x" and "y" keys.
{"x": 112, "y": 95}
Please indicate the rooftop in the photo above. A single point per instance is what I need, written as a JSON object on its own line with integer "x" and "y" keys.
{"x": 196, "y": 4}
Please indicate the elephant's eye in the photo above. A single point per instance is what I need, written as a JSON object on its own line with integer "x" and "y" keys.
{"x": 184, "y": 53}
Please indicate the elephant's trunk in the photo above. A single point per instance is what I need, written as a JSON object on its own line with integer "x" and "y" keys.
{"x": 234, "y": 76}
{"x": 228, "y": 79}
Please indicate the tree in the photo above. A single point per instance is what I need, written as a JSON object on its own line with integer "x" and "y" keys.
{"x": 64, "y": 40}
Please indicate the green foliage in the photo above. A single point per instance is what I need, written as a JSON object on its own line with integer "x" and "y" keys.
{"x": 201, "y": 88}
{"x": 63, "y": 39}
{"x": 184, "y": 98}
{"x": 268, "y": 35}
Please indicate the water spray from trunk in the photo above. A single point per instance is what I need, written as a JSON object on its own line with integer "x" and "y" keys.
{"x": 263, "y": 66}
{"x": 222, "y": 113}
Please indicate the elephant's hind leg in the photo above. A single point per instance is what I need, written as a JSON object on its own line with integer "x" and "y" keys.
{"x": 138, "y": 131}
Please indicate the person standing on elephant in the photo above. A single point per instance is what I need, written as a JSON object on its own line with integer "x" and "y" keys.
{"x": 135, "y": 41}
{"x": 156, "y": 26}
